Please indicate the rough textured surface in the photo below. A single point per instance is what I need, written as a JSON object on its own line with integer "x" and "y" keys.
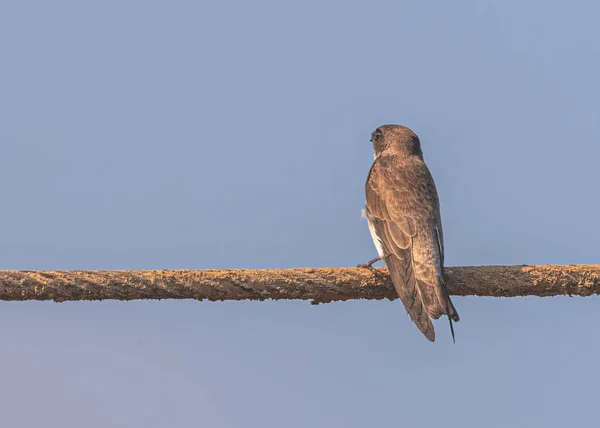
{"x": 320, "y": 285}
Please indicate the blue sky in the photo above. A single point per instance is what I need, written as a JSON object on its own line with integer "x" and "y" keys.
{"x": 154, "y": 134}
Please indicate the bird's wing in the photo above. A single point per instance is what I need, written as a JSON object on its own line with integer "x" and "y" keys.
{"x": 396, "y": 232}
{"x": 439, "y": 233}
{"x": 445, "y": 303}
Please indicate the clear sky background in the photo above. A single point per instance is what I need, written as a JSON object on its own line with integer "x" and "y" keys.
{"x": 235, "y": 134}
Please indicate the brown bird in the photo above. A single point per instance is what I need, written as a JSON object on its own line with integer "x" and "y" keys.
{"x": 403, "y": 213}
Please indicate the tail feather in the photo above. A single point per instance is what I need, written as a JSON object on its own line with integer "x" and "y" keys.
{"x": 452, "y": 311}
{"x": 422, "y": 300}
{"x": 410, "y": 293}
{"x": 438, "y": 303}
{"x": 451, "y": 329}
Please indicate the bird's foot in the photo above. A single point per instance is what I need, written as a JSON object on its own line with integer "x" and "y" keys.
{"x": 369, "y": 265}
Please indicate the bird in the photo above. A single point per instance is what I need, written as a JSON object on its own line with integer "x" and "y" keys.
{"x": 403, "y": 213}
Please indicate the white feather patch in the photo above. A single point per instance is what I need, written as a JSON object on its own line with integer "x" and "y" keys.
{"x": 374, "y": 236}
{"x": 363, "y": 212}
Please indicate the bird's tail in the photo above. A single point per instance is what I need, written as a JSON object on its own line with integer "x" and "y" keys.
{"x": 451, "y": 329}
{"x": 452, "y": 315}
{"x": 452, "y": 310}
{"x": 441, "y": 304}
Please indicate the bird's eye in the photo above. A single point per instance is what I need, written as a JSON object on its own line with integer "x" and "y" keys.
{"x": 377, "y": 133}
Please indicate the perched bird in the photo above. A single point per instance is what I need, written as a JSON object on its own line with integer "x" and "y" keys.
{"x": 403, "y": 213}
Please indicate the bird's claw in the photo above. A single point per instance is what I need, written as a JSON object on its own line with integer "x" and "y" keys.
{"x": 369, "y": 265}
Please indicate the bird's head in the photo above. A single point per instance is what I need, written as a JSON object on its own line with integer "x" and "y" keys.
{"x": 396, "y": 139}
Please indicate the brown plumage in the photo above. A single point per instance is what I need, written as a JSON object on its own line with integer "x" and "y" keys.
{"x": 404, "y": 220}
